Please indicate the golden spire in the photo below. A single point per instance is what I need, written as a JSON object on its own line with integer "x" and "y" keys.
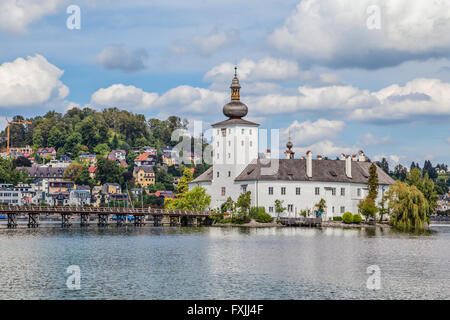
{"x": 235, "y": 86}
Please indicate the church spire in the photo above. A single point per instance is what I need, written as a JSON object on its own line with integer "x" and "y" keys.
{"x": 289, "y": 153}
{"x": 235, "y": 87}
{"x": 235, "y": 109}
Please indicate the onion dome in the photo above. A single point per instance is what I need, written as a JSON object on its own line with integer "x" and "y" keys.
{"x": 235, "y": 109}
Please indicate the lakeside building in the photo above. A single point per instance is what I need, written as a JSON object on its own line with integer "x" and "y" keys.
{"x": 299, "y": 183}
{"x": 10, "y": 195}
{"x": 144, "y": 175}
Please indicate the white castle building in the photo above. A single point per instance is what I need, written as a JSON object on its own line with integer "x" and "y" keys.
{"x": 299, "y": 183}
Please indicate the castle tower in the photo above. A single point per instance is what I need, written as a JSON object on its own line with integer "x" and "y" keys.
{"x": 235, "y": 145}
{"x": 289, "y": 153}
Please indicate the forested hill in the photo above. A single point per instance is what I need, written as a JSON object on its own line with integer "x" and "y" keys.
{"x": 88, "y": 130}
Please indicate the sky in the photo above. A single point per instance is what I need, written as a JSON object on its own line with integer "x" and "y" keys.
{"x": 339, "y": 76}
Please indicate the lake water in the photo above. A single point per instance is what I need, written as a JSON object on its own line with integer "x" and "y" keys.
{"x": 222, "y": 263}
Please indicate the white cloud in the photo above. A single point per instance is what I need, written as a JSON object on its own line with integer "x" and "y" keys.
{"x": 118, "y": 57}
{"x": 325, "y": 148}
{"x": 250, "y": 70}
{"x": 16, "y": 16}
{"x": 307, "y": 132}
{"x": 182, "y": 100}
{"x": 335, "y": 32}
{"x": 418, "y": 99}
{"x": 121, "y": 96}
{"x": 207, "y": 45}
{"x": 394, "y": 159}
{"x": 370, "y": 140}
{"x": 29, "y": 82}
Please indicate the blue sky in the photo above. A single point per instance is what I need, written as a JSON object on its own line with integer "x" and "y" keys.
{"x": 337, "y": 74}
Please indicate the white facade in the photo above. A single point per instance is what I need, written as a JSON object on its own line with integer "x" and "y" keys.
{"x": 299, "y": 183}
{"x": 235, "y": 146}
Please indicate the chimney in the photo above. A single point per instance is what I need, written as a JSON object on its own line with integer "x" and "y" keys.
{"x": 268, "y": 154}
{"x": 354, "y": 158}
{"x": 348, "y": 167}
{"x": 319, "y": 157}
{"x": 309, "y": 164}
{"x": 343, "y": 156}
{"x": 362, "y": 156}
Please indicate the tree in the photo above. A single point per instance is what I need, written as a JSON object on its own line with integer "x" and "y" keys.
{"x": 56, "y": 138}
{"x": 400, "y": 173}
{"x": 38, "y": 140}
{"x": 408, "y": 207}
{"x": 429, "y": 192}
{"x": 321, "y": 205}
{"x": 183, "y": 184}
{"x": 102, "y": 149}
{"x": 10, "y": 175}
{"x": 21, "y": 162}
{"x": 196, "y": 199}
{"x": 228, "y": 206}
{"x": 279, "y": 207}
{"x": 109, "y": 171}
{"x": 115, "y": 142}
{"x": 414, "y": 178}
{"x": 372, "y": 182}
{"x": 428, "y": 168}
{"x": 367, "y": 208}
{"x": 384, "y": 165}
{"x": 79, "y": 174}
{"x": 243, "y": 203}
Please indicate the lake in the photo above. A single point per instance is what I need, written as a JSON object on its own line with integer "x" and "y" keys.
{"x": 222, "y": 263}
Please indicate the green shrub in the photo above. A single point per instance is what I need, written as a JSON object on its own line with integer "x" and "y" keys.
{"x": 347, "y": 217}
{"x": 337, "y": 218}
{"x": 259, "y": 214}
{"x": 357, "y": 218}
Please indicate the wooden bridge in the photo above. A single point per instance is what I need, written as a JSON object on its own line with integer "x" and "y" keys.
{"x": 175, "y": 217}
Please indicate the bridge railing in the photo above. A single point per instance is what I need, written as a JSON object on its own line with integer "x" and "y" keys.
{"x": 98, "y": 210}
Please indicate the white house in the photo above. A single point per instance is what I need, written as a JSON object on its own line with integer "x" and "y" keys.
{"x": 299, "y": 183}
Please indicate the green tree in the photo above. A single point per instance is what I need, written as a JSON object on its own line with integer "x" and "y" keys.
{"x": 279, "y": 209}
{"x": 38, "y": 140}
{"x": 408, "y": 207}
{"x": 196, "y": 199}
{"x": 109, "y": 171}
{"x": 429, "y": 192}
{"x": 102, "y": 149}
{"x": 321, "y": 205}
{"x": 183, "y": 184}
{"x": 243, "y": 203}
{"x": 372, "y": 182}
{"x": 367, "y": 208}
{"x": 56, "y": 138}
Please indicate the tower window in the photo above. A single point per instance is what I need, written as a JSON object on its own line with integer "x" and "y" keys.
{"x": 317, "y": 191}
{"x": 250, "y": 131}
{"x": 283, "y": 190}
{"x": 229, "y": 143}
{"x": 297, "y": 191}
{"x": 229, "y": 155}
{"x": 217, "y": 174}
{"x": 243, "y": 131}
{"x": 223, "y": 191}
{"x": 270, "y": 190}
{"x": 342, "y": 191}
{"x": 229, "y": 173}
{"x": 242, "y": 142}
{"x": 251, "y": 143}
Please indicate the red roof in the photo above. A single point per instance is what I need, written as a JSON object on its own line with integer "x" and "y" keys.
{"x": 92, "y": 169}
{"x": 143, "y": 157}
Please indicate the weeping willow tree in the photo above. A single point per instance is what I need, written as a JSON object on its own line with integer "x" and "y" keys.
{"x": 408, "y": 207}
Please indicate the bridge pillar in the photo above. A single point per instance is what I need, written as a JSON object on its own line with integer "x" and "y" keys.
{"x": 139, "y": 220}
{"x": 102, "y": 220}
{"x": 120, "y": 220}
{"x": 157, "y": 220}
{"x": 66, "y": 220}
{"x": 12, "y": 220}
{"x": 175, "y": 220}
{"x": 33, "y": 220}
{"x": 84, "y": 219}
